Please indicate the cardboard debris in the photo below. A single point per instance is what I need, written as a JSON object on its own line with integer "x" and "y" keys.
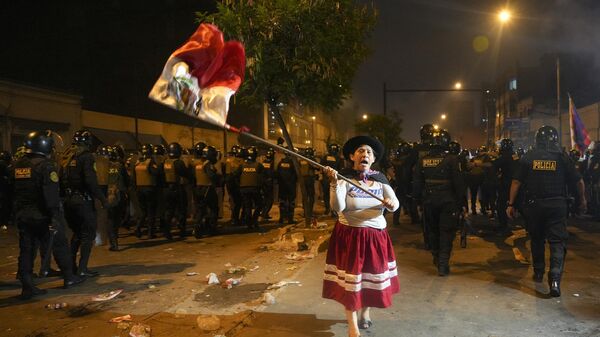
{"x": 212, "y": 279}
{"x": 120, "y": 319}
{"x": 107, "y": 296}
{"x": 282, "y": 284}
{"x": 140, "y": 330}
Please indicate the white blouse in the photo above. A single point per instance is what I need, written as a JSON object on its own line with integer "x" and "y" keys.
{"x": 358, "y": 209}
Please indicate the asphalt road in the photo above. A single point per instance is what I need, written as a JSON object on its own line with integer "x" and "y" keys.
{"x": 489, "y": 291}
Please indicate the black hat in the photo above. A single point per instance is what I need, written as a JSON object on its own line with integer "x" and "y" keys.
{"x": 355, "y": 142}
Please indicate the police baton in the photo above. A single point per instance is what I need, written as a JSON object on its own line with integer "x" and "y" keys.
{"x": 312, "y": 162}
{"x": 45, "y": 267}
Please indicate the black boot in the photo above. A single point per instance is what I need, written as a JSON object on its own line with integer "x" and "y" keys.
{"x": 29, "y": 290}
{"x": 554, "y": 285}
{"x": 72, "y": 281}
{"x": 443, "y": 269}
{"x": 538, "y": 275}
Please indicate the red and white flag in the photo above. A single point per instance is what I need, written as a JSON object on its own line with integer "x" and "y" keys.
{"x": 200, "y": 77}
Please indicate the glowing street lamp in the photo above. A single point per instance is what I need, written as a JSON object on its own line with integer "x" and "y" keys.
{"x": 504, "y": 16}
{"x": 457, "y": 85}
{"x": 436, "y": 127}
{"x": 443, "y": 116}
{"x": 365, "y": 116}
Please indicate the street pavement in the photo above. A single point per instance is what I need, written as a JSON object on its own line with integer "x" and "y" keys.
{"x": 489, "y": 292}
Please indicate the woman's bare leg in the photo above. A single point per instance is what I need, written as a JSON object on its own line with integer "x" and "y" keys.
{"x": 365, "y": 314}
{"x": 351, "y": 316}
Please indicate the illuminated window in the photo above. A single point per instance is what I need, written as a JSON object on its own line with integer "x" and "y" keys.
{"x": 512, "y": 84}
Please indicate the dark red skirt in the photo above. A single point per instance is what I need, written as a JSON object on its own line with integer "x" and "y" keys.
{"x": 360, "y": 269}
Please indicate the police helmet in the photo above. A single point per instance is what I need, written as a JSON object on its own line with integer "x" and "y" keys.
{"x": 333, "y": 149}
{"x": 198, "y": 148}
{"x": 39, "y": 142}
{"x": 159, "y": 150}
{"x": 309, "y": 152}
{"x": 211, "y": 154}
{"x": 442, "y": 139}
{"x": 546, "y": 138}
{"x": 242, "y": 152}
{"x": 147, "y": 150}
{"x": 270, "y": 153}
{"x": 234, "y": 150}
{"x": 454, "y": 148}
{"x": 83, "y": 138}
{"x": 574, "y": 154}
{"x": 251, "y": 153}
{"x": 6, "y": 156}
{"x": 403, "y": 149}
{"x": 174, "y": 150}
{"x": 113, "y": 154}
{"x": 520, "y": 151}
{"x": 103, "y": 150}
{"x": 427, "y": 133}
{"x": 119, "y": 152}
{"x": 506, "y": 146}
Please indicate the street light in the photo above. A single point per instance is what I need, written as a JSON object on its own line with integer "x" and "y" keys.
{"x": 435, "y": 126}
{"x": 444, "y": 116}
{"x": 457, "y": 85}
{"x": 364, "y": 117}
{"x": 504, "y": 15}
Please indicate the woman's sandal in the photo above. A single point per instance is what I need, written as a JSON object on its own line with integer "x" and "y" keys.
{"x": 365, "y": 324}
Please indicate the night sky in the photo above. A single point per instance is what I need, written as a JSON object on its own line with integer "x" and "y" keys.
{"x": 112, "y": 51}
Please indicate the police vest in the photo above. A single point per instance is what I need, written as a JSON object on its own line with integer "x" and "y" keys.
{"x": 102, "y": 164}
{"x": 231, "y": 164}
{"x": 202, "y": 178}
{"x": 28, "y": 183}
{"x": 547, "y": 174}
{"x": 305, "y": 169}
{"x": 436, "y": 172}
{"x": 170, "y": 174}
{"x": 249, "y": 177}
{"x": 142, "y": 174}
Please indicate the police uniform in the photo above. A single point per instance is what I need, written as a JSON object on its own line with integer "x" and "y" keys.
{"x": 422, "y": 150}
{"x": 250, "y": 177}
{"x": 146, "y": 176}
{"x": 176, "y": 175}
{"x": 403, "y": 165}
{"x": 267, "y": 186}
{"x": 505, "y": 166}
{"x": 544, "y": 176}
{"x": 438, "y": 179}
{"x": 80, "y": 184}
{"x": 475, "y": 179}
{"x": 489, "y": 185}
{"x": 5, "y": 196}
{"x": 35, "y": 185}
{"x": 286, "y": 180}
{"x": 233, "y": 187}
{"x": 206, "y": 203}
{"x": 116, "y": 195}
{"x": 335, "y": 162}
{"x": 309, "y": 175}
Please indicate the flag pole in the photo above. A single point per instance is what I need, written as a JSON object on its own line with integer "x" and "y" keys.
{"x": 293, "y": 153}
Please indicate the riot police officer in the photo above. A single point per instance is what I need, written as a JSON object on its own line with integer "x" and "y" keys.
{"x": 403, "y": 162}
{"x": 475, "y": 177}
{"x": 438, "y": 179}
{"x": 268, "y": 182}
{"x": 544, "y": 173}
{"x": 286, "y": 180}
{"x": 78, "y": 177}
{"x": 426, "y": 134}
{"x": 333, "y": 160}
{"x": 309, "y": 175}
{"x": 146, "y": 182}
{"x": 5, "y": 196}
{"x": 505, "y": 167}
{"x": 232, "y": 162}
{"x": 250, "y": 175}
{"x": 35, "y": 186}
{"x": 176, "y": 175}
{"x": 205, "y": 194}
{"x": 575, "y": 156}
{"x": 116, "y": 195}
